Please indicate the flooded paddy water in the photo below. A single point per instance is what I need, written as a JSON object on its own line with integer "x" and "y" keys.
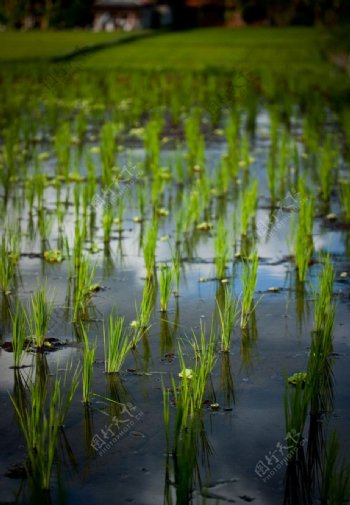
{"x": 122, "y": 209}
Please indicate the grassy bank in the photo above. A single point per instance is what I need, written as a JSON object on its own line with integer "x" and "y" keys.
{"x": 41, "y": 46}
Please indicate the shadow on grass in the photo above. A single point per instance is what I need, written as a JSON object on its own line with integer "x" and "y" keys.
{"x": 92, "y": 48}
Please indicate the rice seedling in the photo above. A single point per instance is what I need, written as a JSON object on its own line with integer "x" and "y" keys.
{"x": 7, "y": 267}
{"x": 141, "y": 200}
{"x": 84, "y": 287}
{"x": 165, "y": 286}
{"x": 221, "y": 250}
{"x": 40, "y": 315}
{"x": 88, "y": 361}
{"x": 45, "y": 223}
{"x": 248, "y": 205}
{"x": 81, "y": 124}
{"x": 63, "y": 150}
{"x": 149, "y": 248}
{"x": 41, "y": 423}
{"x": 223, "y": 177}
{"x": 116, "y": 343}
{"x": 206, "y": 192}
{"x": 319, "y": 369}
{"x": 107, "y": 150}
{"x": 246, "y": 159}
{"x": 303, "y": 239}
{"x": 157, "y": 191}
{"x": 188, "y": 437}
{"x": 77, "y": 199}
{"x": 152, "y": 143}
{"x": 205, "y": 358}
{"x": 189, "y": 396}
{"x": 231, "y": 134}
{"x": 192, "y": 209}
{"x": 107, "y": 223}
{"x": 345, "y": 199}
{"x": 77, "y": 248}
{"x": 324, "y": 306}
{"x": 335, "y": 477}
{"x": 228, "y": 317}
{"x": 10, "y": 141}
{"x": 176, "y": 264}
{"x": 180, "y": 169}
{"x": 194, "y": 139}
{"x": 189, "y": 432}
{"x": 249, "y": 278}
{"x": 120, "y": 214}
{"x": 19, "y": 334}
{"x": 146, "y": 307}
{"x": 282, "y": 166}
{"x": 179, "y": 224}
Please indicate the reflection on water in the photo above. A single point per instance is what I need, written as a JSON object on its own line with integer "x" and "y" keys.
{"x": 249, "y": 336}
{"x": 226, "y": 381}
{"x": 313, "y": 466}
{"x": 166, "y": 336}
{"x": 89, "y": 431}
{"x": 117, "y": 394}
{"x": 186, "y": 460}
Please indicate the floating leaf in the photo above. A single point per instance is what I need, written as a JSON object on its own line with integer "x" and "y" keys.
{"x": 205, "y": 226}
{"x": 53, "y": 256}
{"x": 297, "y": 378}
{"x": 186, "y": 373}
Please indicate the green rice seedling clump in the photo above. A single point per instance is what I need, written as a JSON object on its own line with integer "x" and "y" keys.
{"x": 9, "y": 255}
{"x": 41, "y": 423}
{"x": 107, "y": 149}
{"x": 303, "y": 239}
{"x": 88, "y": 361}
{"x": 146, "y": 307}
{"x": 19, "y": 334}
{"x": 165, "y": 286}
{"x": 248, "y": 205}
{"x": 40, "y": 315}
{"x": 83, "y": 288}
{"x": 117, "y": 343}
{"x": 335, "y": 478}
{"x": 319, "y": 370}
{"x": 221, "y": 250}
{"x": 249, "y": 278}
{"x": 228, "y": 317}
{"x": 149, "y": 248}
{"x": 143, "y": 314}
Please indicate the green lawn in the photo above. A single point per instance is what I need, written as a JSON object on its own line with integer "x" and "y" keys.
{"x": 196, "y": 49}
{"x": 213, "y": 48}
{"x": 36, "y": 45}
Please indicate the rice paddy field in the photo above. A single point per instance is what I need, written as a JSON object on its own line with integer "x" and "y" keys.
{"x": 174, "y": 271}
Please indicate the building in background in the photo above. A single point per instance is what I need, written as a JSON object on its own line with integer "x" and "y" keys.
{"x": 127, "y": 15}
{"x": 175, "y": 14}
